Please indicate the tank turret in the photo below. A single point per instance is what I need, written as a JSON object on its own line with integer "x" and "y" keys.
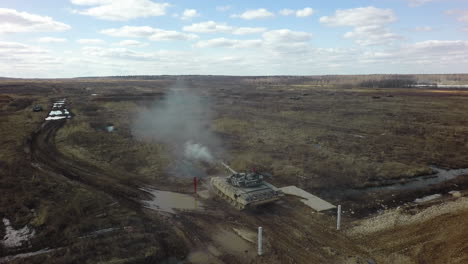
{"x": 245, "y": 179}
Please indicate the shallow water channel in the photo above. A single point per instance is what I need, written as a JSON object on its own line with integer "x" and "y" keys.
{"x": 440, "y": 175}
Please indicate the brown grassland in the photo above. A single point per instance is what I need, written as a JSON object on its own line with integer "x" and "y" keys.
{"x": 327, "y": 135}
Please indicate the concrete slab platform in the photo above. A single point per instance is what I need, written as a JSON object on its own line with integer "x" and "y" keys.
{"x": 308, "y": 199}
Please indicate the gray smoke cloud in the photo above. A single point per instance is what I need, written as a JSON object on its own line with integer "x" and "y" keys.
{"x": 197, "y": 152}
{"x": 182, "y": 120}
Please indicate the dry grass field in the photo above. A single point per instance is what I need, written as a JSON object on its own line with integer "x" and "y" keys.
{"x": 326, "y": 135}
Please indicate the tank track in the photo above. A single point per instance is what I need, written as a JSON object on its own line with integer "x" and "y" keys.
{"x": 233, "y": 202}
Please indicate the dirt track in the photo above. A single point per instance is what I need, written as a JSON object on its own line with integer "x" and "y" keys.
{"x": 292, "y": 233}
{"x": 45, "y": 156}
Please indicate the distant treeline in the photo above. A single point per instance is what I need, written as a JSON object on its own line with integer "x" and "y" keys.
{"x": 400, "y": 82}
{"x": 368, "y": 81}
{"x": 345, "y": 81}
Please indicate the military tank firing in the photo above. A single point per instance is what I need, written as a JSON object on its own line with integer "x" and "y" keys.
{"x": 244, "y": 190}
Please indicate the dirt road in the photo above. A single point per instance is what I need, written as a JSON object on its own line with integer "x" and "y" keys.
{"x": 44, "y": 154}
{"x": 217, "y": 234}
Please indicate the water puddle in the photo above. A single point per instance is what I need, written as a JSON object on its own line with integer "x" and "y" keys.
{"x": 246, "y": 234}
{"x": 428, "y": 198}
{"x": 202, "y": 256}
{"x": 226, "y": 241}
{"x": 232, "y": 242}
{"x": 170, "y": 201}
{"x": 26, "y": 255}
{"x": 441, "y": 175}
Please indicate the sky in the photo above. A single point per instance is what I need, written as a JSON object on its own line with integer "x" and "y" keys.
{"x": 73, "y": 38}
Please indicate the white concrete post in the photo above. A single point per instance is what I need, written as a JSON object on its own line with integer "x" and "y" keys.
{"x": 260, "y": 241}
{"x": 338, "y": 218}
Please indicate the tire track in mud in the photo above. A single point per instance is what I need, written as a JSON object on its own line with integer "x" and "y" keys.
{"x": 291, "y": 234}
{"x": 293, "y": 237}
{"x": 44, "y": 153}
{"x": 45, "y": 156}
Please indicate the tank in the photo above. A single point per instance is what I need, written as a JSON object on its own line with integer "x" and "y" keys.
{"x": 37, "y": 108}
{"x": 243, "y": 190}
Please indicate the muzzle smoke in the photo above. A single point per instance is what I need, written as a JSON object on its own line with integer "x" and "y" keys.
{"x": 182, "y": 120}
{"x": 196, "y": 151}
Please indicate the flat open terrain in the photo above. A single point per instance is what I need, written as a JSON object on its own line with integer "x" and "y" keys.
{"x": 78, "y": 185}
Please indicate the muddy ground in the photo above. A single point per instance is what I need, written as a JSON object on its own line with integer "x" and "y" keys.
{"x": 72, "y": 179}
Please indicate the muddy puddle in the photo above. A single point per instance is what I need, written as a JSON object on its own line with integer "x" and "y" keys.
{"x": 420, "y": 182}
{"x": 26, "y": 255}
{"x": 232, "y": 242}
{"x": 170, "y": 202}
{"x": 225, "y": 242}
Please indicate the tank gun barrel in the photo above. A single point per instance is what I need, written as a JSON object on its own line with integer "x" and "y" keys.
{"x": 229, "y": 168}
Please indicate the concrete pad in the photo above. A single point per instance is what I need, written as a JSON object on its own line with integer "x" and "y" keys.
{"x": 309, "y": 199}
{"x": 457, "y": 194}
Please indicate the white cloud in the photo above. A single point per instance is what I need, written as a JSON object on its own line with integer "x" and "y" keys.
{"x": 252, "y": 57}
{"x": 189, "y": 14}
{"x": 415, "y": 3}
{"x": 248, "y": 30}
{"x": 121, "y": 10}
{"x": 129, "y": 31}
{"x": 163, "y": 35}
{"x": 228, "y": 43}
{"x": 462, "y": 15}
{"x": 51, "y": 40}
{"x": 223, "y": 8}
{"x": 286, "y": 35}
{"x": 286, "y": 12}
{"x": 12, "y": 21}
{"x": 214, "y": 27}
{"x": 18, "y": 48}
{"x": 423, "y": 29}
{"x": 362, "y": 16}
{"x": 281, "y": 42}
{"x": 17, "y": 59}
{"x": 132, "y": 43}
{"x": 369, "y": 24}
{"x": 430, "y": 52}
{"x": 305, "y": 12}
{"x": 440, "y": 47}
{"x": 208, "y": 27}
{"x": 117, "y": 53}
{"x": 154, "y": 34}
{"x": 90, "y": 41}
{"x": 431, "y": 56}
{"x": 372, "y": 35}
{"x": 254, "y": 14}
{"x": 276, "y": 41}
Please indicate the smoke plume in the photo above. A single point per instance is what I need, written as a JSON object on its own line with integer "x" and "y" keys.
{"x": 197, "y": 152}
{"x": 181, "y": 120}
